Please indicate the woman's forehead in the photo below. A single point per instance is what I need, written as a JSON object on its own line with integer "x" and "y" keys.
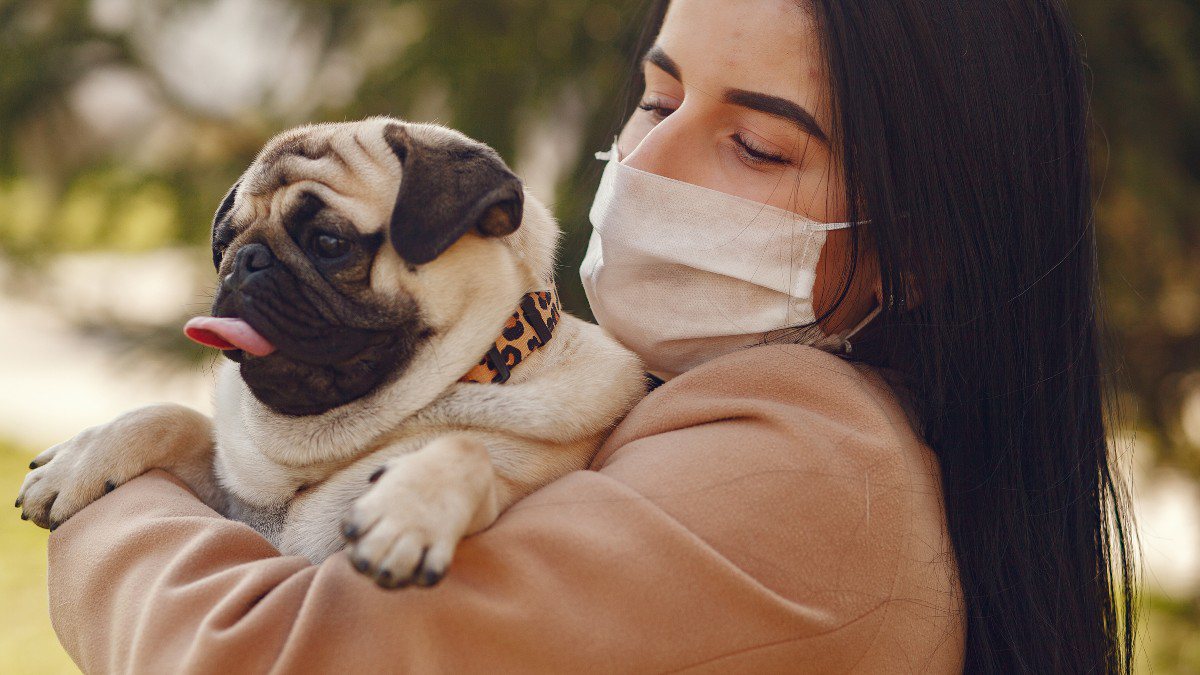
{"x": 767, "y": 46}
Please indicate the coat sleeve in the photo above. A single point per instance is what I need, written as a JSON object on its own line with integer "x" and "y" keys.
{"x": 673, "y": 555}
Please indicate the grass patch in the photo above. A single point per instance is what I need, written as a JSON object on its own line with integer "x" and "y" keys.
{"x": 27, "y": 642}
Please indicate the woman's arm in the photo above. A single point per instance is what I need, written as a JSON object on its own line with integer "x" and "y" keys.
{"x": 586, "y": 573}
{"x": 764, "y": 537}
{"x": 148, "y": 579}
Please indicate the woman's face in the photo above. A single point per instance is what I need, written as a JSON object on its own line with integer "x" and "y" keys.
{"x": 737, "y": 100}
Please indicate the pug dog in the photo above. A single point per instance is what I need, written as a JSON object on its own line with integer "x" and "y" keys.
{"x": 398, "y": 371}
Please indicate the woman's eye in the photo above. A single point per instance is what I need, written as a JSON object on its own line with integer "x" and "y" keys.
{"x": 757, "y": 154}
{"x": 657, "y": 108}
{"x": 329, "y": 246}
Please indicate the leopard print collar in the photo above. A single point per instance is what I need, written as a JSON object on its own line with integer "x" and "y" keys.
{"x": 529, "y": 328}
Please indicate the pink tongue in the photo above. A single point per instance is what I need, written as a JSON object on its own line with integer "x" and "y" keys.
{"x": 227, "y": 334}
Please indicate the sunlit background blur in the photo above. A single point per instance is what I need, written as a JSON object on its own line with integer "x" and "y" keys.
{"x": 123, "y": 122}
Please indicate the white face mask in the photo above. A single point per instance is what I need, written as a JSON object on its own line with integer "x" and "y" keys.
{"x": 680, "y": 273}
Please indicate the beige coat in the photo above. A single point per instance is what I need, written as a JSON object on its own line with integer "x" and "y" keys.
{"x": 769, "y": 511}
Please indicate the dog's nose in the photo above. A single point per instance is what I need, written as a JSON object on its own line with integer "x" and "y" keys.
{"x": 253, "y": 258}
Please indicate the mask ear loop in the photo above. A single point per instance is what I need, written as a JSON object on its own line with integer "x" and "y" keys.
{"x": 610, "y": 154}
{"x": 847, "y": 347}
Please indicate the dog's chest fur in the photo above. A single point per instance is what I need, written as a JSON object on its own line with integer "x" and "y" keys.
{"x": 299, "y": 506}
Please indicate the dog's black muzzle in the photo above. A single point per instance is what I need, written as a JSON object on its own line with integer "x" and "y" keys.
{"x": 329, "y": 349}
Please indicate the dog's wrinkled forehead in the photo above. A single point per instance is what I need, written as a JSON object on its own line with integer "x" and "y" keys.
{"x": 425, "y": 184}
{"x": 352, "y": 160}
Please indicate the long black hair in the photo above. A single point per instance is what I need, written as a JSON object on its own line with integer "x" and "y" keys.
{"x": 963, "y": 130}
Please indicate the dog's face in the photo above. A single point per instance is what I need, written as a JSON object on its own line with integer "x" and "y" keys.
{"x": 350, "y": 247}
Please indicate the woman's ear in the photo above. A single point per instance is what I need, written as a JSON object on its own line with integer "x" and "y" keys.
{"x": 903, "y": 299}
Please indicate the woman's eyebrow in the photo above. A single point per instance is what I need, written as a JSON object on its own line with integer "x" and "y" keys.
{"x": 658, "y": 57}
{"x": 765, "y": 103}
{"x": 778, "y": 107}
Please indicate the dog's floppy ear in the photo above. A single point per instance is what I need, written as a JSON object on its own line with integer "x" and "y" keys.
{"x": 446, "y": 191}
{"x": 221, "y": 236}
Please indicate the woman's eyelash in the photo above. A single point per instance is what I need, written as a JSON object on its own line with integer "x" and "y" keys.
{"x": 758, "y": 154}
{"x": 750, "y": 152}
{"x": 657, "y": 109}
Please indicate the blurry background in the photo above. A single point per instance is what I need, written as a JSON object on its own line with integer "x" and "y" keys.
{"x": 123, "y": 122}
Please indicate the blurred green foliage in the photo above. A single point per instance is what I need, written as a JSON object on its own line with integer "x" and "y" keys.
{"x": 1169, "y": 641}
{"x": 68, "y": 182}
{"x": 488, "y": 67}
{"x": 1144, "y": 57}
{"x": 482, "y": 67}
{"x": 111, "y": 137}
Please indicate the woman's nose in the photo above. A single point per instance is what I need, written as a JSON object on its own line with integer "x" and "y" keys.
{"x": 669, "y": 149}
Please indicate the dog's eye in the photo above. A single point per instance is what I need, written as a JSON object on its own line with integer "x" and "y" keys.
{"x": 328, "y": 246}
{"x": 219, "y": 254}
{"x": 221, "y": 244}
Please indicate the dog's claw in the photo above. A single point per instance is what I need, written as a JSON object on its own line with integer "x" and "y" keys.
{"x": 109, "y": 486}
{"x": 429, "y": 577}
{"x": 361, "y": 565}
{"x": 350, "y": 531}
{"x": 387, "y": 580}
{"x": 33, "y": 465}
{"x": 375, "y": 476}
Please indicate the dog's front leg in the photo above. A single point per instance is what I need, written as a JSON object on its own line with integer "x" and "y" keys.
{"x": 405, "y": 528}
{"x": 77, "y": 472}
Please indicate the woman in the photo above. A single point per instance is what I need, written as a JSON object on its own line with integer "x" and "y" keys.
{"x": 926, "y": 490}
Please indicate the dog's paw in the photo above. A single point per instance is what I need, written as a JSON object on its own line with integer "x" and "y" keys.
{"x": 77, "y": 472}
{"x": 405, "y": 528}
{"x": 67, "y": 477}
